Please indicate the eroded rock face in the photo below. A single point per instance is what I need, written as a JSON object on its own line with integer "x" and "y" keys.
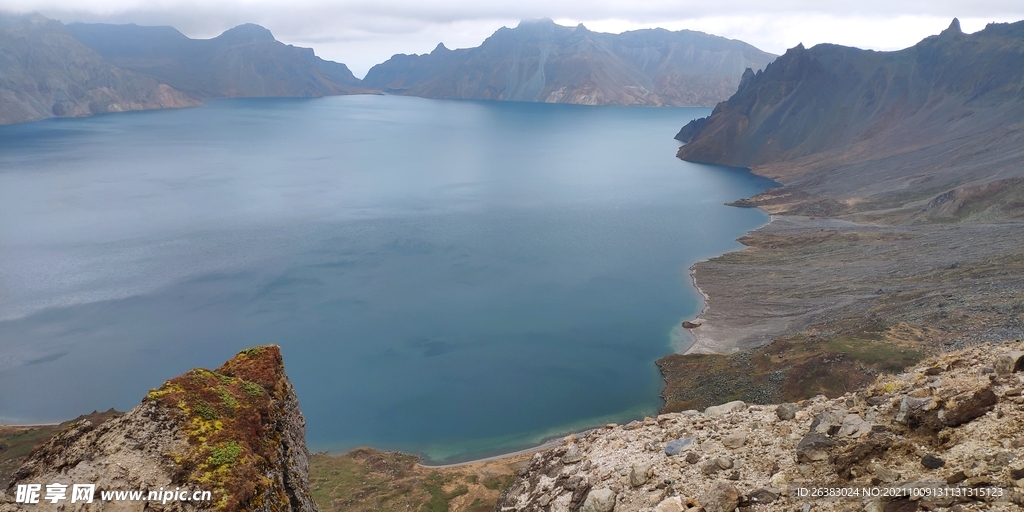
{"x": 889, "y": 434}
{"x": 236, "y": 432}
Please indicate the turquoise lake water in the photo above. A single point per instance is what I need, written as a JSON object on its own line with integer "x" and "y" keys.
{"x": 451, "y": 278}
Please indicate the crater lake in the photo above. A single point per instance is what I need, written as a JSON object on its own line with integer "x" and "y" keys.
{"x": 451, "y": 278}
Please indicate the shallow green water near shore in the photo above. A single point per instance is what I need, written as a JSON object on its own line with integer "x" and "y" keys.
{"x": 446, "y": 277}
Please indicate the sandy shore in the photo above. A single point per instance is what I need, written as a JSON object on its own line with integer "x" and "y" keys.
{"x": 551, "y": 443}
{"x": 709, "y": 338}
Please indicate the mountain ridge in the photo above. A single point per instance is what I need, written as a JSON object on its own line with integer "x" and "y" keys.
{"x": 896, "y": 229}
{"x": 47, "y": 73}
{"x": 244, "y": 61}
{"x": 848, "y": 105}
{"x": 541, "y": 61}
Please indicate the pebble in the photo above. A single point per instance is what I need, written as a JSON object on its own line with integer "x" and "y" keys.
{"x": 932, "y": 462}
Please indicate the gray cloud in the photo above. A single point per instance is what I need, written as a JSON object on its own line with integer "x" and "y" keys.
{"x": 362, "y": 33}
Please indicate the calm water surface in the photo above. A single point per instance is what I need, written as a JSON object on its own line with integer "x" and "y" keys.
{"x": 447, "y": 277}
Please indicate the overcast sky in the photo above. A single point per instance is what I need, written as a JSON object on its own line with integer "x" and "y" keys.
{"x": 361, "y": 33}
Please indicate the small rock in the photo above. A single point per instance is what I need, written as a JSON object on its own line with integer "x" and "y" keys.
{"x": 974, "y": 406}
{"x": 886, "y": 475}
{"x": 723, "y": 463}
{"x": 1017, "y": 473}
{"x": 762, "y": 496}
{"x": 853, "y": 426}
{"x": 1003, "y": 458}
{"x": 877, "y": 400}
{"x": 599, "y": 500}
{"x": 710, "y": 467}
{"x": 813, "y": 447}
{"x": 956, "y": 478}
{"x": 932, "y": 462}
{"x": 638, "y": 474}
{"x": 786, "y": 412}
{"x": 734, "y": 441}
{"x": 912, "y": 409}
{"x": 572, "y": 455}
{"x": 720, "y": 497}
{"x": 1008, "y": 363}
{"x": 828, "y": 422}
{"x": 726, "y": 408}
{"x": 692, "y": 458}
{"x": 675, "y": 446}
{"x": 735, "y": 475}
{"x": 673, "y": 504}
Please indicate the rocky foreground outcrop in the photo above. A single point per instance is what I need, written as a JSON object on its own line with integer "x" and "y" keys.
{"x": 953, "y": 424}
{"x": 236, "y": 432}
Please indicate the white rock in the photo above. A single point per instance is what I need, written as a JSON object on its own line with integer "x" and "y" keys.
{"x": 599, "y": 500}
{"x": 726, "y": 408}
{"x": 638, "y": 474}
{"x": 673, "y": 504}
{"x": 853, "y": 426}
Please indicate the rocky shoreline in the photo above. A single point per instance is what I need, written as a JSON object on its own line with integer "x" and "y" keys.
{"x": 950, "y": 426}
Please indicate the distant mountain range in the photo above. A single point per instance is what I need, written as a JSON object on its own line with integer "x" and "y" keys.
{"x": 243, "y": 61}
{"x": 45, "y": 72}
{"x": 544, "y": 62}
{"x": 53, "y": 70}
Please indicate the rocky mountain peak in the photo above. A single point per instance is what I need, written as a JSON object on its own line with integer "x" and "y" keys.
{"x": 246, "y": 33}
{"x": 954, "y": 28}
{"x": 236, "y": 431}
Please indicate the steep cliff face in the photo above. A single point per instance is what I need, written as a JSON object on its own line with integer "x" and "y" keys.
{"x": 243, "y": 61}
{"x": 946, "y": 433}
{"x": 236, "y": 432}
{"x": 48, "y": 73}
{"x": 545, "y": 62}
{"x": 943, "y": 113}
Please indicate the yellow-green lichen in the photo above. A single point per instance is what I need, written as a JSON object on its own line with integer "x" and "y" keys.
{"x": 225, "y": 454}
